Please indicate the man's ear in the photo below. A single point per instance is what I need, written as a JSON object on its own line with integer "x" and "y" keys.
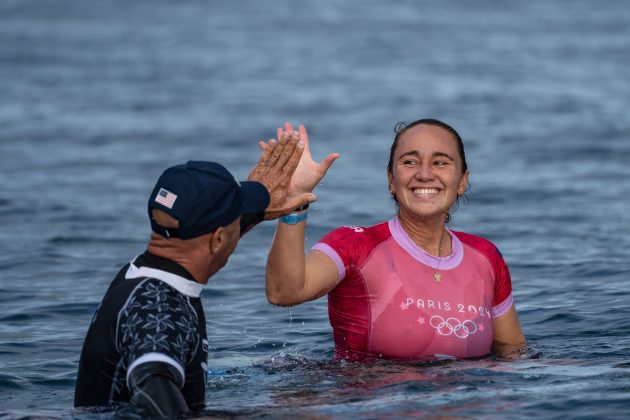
{"x": 216, "y": 240}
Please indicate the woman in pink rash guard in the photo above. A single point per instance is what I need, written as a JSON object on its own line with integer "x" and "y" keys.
{"x": 406, "y": 288}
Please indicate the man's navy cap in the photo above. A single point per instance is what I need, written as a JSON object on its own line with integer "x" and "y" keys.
{"x": 203, "y": 196}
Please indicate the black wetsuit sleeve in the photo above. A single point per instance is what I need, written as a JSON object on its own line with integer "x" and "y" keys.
{"x": 156, "y": 388}
{"x": 248, "y": 221}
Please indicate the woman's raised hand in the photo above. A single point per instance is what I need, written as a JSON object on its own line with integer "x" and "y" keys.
{"x": 308, "y": 172}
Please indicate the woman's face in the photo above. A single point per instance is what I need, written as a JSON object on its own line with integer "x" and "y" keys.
{"x": 427, "y": 173}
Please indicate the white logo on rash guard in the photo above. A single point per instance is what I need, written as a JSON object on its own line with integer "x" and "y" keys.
{"x": 357, "y": 229}
{"x": 453, "y": 326}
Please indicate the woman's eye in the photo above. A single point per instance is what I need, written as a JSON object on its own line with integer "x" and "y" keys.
{"x": 409, "y": 162}
{"x": 440, "y": 163}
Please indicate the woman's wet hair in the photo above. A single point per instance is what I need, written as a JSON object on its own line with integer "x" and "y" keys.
{"x": 402, "y": 127}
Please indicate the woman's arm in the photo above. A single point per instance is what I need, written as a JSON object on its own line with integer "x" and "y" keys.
{"x": 508, "y": 338}
{"x": 292, "y": 277}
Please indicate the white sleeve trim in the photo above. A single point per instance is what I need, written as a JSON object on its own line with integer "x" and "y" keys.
{"x": 157, "y": 357}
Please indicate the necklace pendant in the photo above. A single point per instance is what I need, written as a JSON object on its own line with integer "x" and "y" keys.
{"x": 437, "y": 276}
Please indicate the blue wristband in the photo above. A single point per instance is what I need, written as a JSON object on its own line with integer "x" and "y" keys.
{"x": 292, "y": 219}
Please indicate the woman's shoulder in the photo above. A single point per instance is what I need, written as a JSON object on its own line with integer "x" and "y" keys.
{"x": 353, "y": 244}
{"x": 374, "y": 233}
{"x": 377, "y": 230}
{"x": 479, "y": 243}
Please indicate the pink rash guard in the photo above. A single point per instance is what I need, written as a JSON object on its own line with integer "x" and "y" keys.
{"x": 388, "y": 304}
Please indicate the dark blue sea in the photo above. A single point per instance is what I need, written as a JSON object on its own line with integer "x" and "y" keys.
{"x": 98, "y": 97}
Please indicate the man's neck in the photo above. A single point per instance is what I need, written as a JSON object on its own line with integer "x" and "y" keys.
{"x": 185, "y": 253}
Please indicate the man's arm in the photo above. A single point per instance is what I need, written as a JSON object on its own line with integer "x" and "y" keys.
{"x": 156, "y": 388}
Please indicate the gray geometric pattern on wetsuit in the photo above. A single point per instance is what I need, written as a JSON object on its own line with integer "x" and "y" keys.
{"x": 157, "y": 318}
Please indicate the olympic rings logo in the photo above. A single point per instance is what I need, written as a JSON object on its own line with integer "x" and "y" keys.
{"x": 453, "y": 326}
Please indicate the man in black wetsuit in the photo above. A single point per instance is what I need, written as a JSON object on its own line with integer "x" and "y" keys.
{"x": 147, "y": 341}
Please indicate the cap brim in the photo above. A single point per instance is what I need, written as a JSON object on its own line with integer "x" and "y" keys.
{"x": 255, "y": 197}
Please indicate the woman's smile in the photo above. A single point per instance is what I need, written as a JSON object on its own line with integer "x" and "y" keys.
{"x": 426, "y": 192}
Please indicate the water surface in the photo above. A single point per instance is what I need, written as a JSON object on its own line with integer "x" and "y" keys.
{"x": 99, "y": 97}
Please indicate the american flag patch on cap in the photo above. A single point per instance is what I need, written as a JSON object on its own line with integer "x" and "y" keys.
{"x": 165, "y": 198}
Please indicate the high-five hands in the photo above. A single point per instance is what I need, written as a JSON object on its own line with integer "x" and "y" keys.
{"x": 274, "y": 170}
{"x": 309, "y": 172}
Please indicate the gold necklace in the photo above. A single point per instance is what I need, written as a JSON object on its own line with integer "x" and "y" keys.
{"x": 437, "y": 276}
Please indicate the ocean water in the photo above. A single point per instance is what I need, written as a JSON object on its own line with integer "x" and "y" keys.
{"x": 97, "y": 98}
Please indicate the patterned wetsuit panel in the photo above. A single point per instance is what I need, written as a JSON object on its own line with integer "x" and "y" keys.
{"x": 390, "y": 304}
{"x": 157, "y": 319}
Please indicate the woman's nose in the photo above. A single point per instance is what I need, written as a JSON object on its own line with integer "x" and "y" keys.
{"x": 424, "y": 171}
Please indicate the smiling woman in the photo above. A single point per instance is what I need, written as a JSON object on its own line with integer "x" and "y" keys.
{"x": 407, "y": 288}
{"x": 427, "y": 163}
